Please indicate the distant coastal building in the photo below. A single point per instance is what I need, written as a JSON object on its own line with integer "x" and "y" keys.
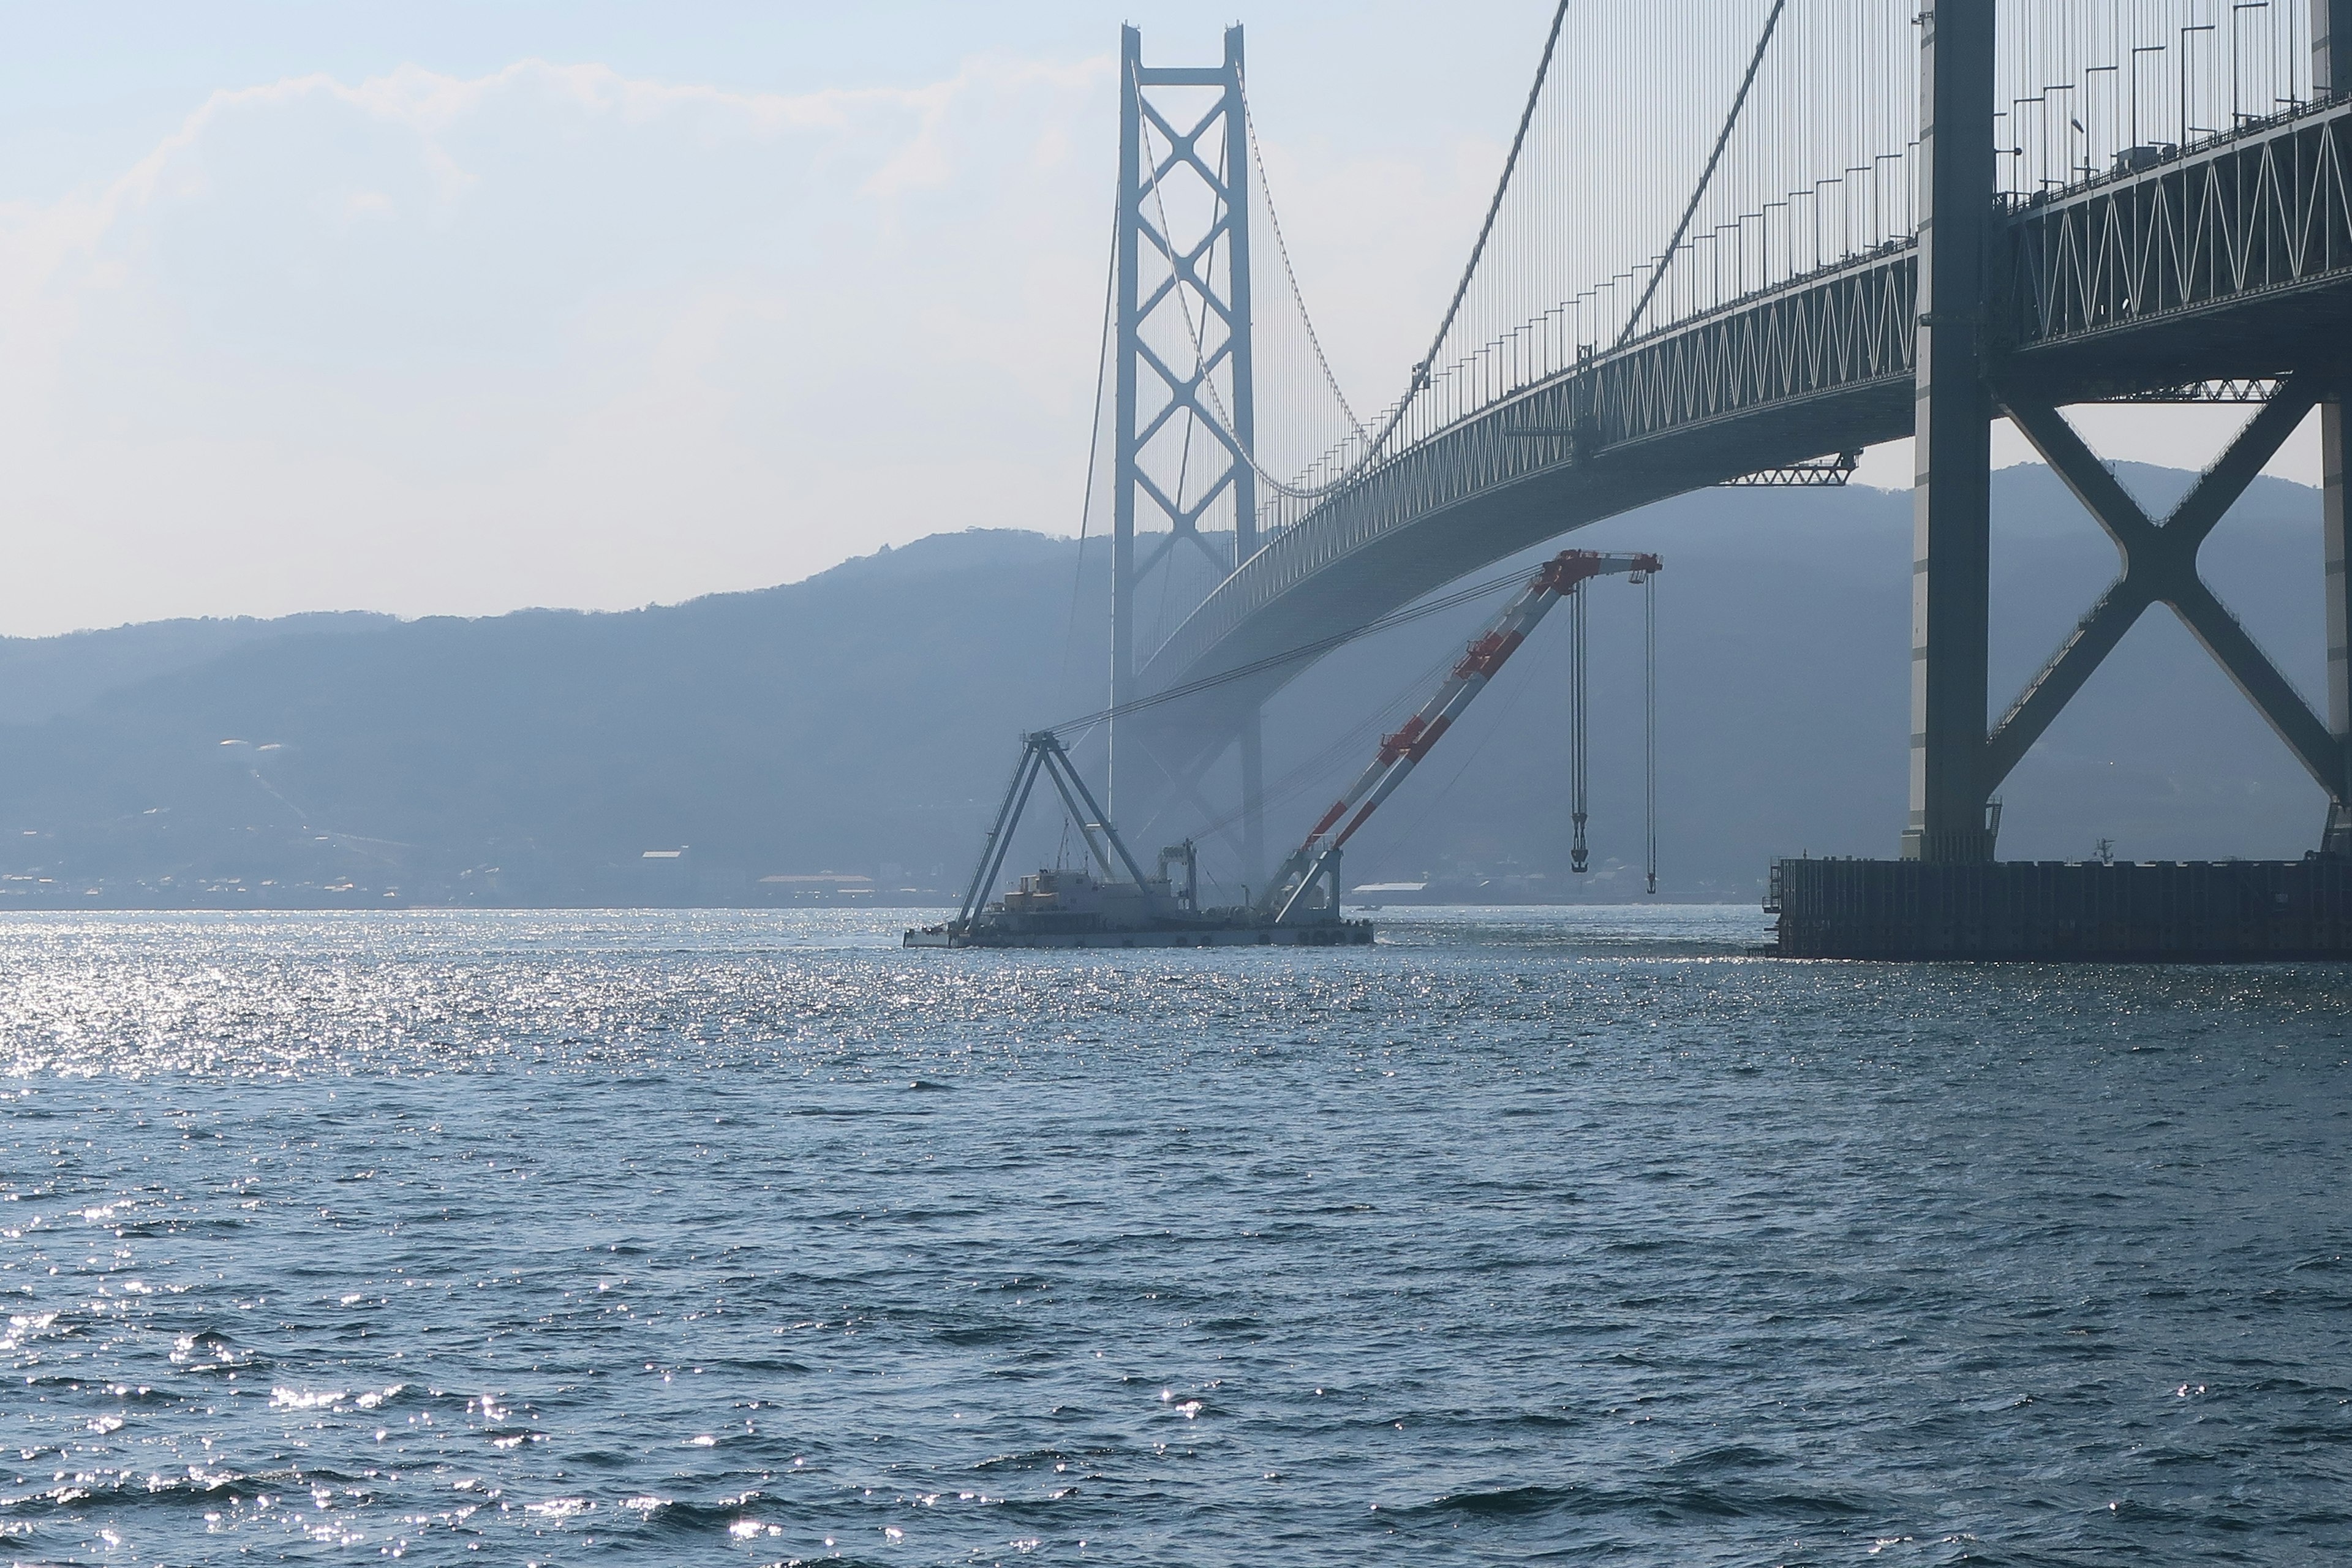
{"x": 817, "y": 888}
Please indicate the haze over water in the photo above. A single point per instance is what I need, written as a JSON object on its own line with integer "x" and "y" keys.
{"x": 1524, "y": 1236}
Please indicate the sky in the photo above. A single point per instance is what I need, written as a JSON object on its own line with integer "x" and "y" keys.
{"x": 437, "y": 308}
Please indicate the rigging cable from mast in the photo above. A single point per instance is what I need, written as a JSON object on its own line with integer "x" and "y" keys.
{"x": 1094, "y": 454}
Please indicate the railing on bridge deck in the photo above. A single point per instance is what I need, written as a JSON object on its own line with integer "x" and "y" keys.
{"x": 2266, "y": 209}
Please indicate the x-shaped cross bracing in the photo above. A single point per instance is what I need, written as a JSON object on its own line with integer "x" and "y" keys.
{"x": 2160, "y": 567}
{"x": 1184, "y": 147}
{"x": 1184, "y": 267}
{"x": 1186, "y": 277}
{"x": 1183, "y": 392}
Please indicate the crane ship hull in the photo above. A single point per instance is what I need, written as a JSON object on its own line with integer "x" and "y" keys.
{"x": 1073, "y": 909}
{"x": 1242, "y": 933}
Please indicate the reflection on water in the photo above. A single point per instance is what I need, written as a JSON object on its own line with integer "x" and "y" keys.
{"x": 1526, "y": 1234}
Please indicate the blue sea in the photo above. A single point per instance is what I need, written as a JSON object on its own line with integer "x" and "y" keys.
{"x": 1525, "y": 1236}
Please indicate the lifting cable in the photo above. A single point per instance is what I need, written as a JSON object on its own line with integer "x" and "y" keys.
{"x": 1579, "y": 707}
{"x": 1650, "y": 725}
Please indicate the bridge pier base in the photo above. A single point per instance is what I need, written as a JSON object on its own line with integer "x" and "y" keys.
{"x": 2156, "y": 911}
{"x": 1928, "y": 906}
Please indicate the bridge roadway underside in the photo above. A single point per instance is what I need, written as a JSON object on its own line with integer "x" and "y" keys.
{"x": 1405, "y": 563}
{"x": 2232, "y": 262}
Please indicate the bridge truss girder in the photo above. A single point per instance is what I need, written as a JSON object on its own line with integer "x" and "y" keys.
{"x": 2266, "y": 213}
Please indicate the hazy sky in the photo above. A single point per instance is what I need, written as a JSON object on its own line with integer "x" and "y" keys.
{"x": 460, "y": 307}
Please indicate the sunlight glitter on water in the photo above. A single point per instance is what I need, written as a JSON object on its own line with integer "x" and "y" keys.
{"x": 742, "y": 1238}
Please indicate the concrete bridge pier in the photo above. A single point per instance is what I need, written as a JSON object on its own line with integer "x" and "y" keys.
{"x": 1952, "y": 488}
{"x": 2338, "y": 839}
{"x": 2331, "y": 20}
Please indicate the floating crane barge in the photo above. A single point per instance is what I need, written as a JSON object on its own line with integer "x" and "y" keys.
{"x": 1115, "y": 904}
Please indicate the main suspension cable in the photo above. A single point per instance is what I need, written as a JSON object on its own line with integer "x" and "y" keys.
{"x": 1487, "y": 229}
{"x": 1291, "y": 274}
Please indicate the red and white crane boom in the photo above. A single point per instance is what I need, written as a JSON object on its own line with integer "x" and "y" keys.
{"x": 1400, "y": 753}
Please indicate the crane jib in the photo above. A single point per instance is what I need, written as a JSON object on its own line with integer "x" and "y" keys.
{"x": 1401, "y": 750}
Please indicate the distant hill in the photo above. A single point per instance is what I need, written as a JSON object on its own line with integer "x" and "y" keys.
{"x": 782, "y": 745}
{"x": 41, "y": 677}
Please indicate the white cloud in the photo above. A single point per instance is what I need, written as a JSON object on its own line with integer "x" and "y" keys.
{"x": 549, "y": 335}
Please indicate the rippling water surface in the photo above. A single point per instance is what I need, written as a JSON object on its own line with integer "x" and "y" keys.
{"x": 1524, "y": 1236}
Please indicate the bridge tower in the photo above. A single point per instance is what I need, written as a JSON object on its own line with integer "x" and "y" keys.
{"x": 1183, "y": 363}
{"x": 1951, "y": 587}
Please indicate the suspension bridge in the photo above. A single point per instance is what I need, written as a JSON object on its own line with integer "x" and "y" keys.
{"x": 1739, "y": 255}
